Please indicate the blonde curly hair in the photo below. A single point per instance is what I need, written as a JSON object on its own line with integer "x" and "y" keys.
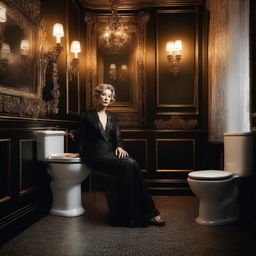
{"x": 102, "y": 87}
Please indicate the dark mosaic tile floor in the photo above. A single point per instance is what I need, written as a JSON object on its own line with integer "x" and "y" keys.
{"x": 90, "y": 234}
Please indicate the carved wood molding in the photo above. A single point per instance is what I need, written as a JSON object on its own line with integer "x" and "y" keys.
{"x": 30, "y": 8}
{"x": 137, "y": 4}
{"x": 176, "y": 122}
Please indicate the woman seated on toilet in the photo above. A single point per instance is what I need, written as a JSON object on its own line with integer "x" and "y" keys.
{"x": 102, "y": 149}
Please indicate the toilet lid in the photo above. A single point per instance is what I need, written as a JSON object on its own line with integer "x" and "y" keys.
{"x": 64, "y": 158}
{"x": 210, "y": 175}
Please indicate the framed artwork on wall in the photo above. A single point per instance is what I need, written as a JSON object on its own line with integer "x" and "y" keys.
{"x": 122, "y": 67}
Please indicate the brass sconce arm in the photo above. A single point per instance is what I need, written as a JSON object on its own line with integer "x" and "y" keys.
{"x": 53, "y": 55}
{"x": 73, "y": 68}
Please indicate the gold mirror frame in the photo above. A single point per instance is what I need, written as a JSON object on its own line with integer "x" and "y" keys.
{"x": 16, "y": 102}
{"x": 131, "y": 114}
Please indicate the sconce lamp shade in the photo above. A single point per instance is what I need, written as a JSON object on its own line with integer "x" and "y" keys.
{"x": 112, "y": 66}
{"x": 6, "y": 48}
{"x": 124, "y": 67}
{"x": 24, "y": 45}
{"x": 2, "y": 13}
{"x": 170, "y": 47}
{"x": 174, "y": 56}
{"x": 75, "y": 48}
{"x": 58, "y": 31}
{"x": 178, "y": 46}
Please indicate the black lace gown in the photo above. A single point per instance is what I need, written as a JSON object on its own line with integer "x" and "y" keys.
{"x": 127, "y": 195}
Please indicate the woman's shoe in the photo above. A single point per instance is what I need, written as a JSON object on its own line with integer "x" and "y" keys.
{"x": 158, "y": 223}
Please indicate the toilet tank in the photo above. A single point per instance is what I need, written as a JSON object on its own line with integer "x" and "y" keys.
{"x": 238, "y": 153}
{"x": 48, "y": 143}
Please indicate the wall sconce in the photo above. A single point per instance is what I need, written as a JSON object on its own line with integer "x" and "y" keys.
{"x": 5, "y": 51}
{"x": 4, "y": 60}
{"x": 112, "y": 72}
{"x": 123, "y": 72}
{"x": 74, "y": 65}
{"x": 2, "y": 13}
{"x": 2, "y": 20}
{"x": 58, "y": 32}
{"x": 174, "y": 56}
{"x": 24, "y": 51}
{"x": 24, "y": 47}
{"x": 53, "y": 55}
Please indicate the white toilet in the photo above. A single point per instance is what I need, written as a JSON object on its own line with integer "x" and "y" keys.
{"x": 218, "y": 190}
{"x": 67, "y": 173}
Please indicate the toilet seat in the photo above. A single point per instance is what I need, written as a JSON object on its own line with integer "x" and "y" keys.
{"x": 63, "y": 158}
{"x": 210, "y": 175}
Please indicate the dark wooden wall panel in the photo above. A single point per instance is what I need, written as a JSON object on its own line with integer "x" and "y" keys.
{"x": 73, "y": 79}
{"x": 173, "y": 155}
{"x": 138, "y": 149}
{"x": 5, "y": 170}
{"x": 28, "y": 165}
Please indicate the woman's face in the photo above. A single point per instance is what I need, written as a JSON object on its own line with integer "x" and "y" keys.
{"x": 104, "y": 98}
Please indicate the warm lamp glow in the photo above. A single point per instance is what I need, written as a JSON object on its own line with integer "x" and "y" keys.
{"x": 178, "y": 47}
{"x": 2, "y": 13}
{"x": 170, "y": 47}
{"x": 115, "y": 35}
{"x": 124, "y": 67}
{"x": 5, "y": 51}
{"x": 174, "y": 56}
{"x": 58, "y": 32}
{"x": 75, "y": 48}
{"x": 112, "y": 66}
{"x": 173, "y": 48}
{"x": 24, "y": 46}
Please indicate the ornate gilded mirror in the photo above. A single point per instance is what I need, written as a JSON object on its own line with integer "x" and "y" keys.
{"x": 28, "y": 73}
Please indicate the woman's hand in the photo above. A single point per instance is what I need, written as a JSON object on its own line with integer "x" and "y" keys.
{"x": 121, "y": 153}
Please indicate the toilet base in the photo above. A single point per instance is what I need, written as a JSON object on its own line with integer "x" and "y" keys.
{"x": 216, "y": 222}
{"x": 66, "y": 200}
{"x": 219, "y": 212}
{"x": 68, "y": 213}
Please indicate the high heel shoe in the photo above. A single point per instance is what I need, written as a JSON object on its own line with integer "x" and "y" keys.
{"x": 158, "y": 223}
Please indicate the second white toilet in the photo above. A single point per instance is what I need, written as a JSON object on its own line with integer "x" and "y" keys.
{"x": 217, "y": 190}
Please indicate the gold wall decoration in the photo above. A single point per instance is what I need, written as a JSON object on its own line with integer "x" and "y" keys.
{"x": 130, "y": 95}
{"x": 176, "y": 122}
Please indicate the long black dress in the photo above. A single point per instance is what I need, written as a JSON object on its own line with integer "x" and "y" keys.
{"x": 128, "y": 198}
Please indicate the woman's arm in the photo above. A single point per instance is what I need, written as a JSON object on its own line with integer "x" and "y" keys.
{"x": 120, "y": 152}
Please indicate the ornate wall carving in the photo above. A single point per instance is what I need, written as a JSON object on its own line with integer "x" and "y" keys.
{"x": 176, "y": 122}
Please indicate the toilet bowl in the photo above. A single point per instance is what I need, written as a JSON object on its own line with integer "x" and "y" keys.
{"x": 217, "y": 190}
{"x": 66, "y": 173}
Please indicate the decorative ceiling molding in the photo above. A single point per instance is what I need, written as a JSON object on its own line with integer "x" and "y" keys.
{"x": 137, "y": 4}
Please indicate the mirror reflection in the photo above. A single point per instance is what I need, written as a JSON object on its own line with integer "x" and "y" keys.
{"x": 17, "y": 52}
